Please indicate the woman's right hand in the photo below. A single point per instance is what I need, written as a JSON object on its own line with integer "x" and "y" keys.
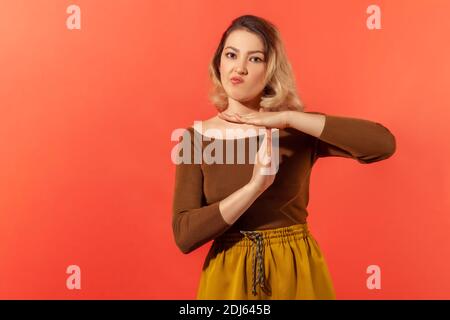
{"x": 263, "y": 175}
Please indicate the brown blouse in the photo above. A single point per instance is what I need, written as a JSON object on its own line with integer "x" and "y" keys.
{"x": 199, "y": 187}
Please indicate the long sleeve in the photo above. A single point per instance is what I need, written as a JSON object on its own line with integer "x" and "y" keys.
{"x": 363, "y": 140}
{"x": 193, "y": 222}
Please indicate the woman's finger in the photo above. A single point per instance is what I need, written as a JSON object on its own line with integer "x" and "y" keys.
{"x": 230, "y": 118}
{"x": 260, "y": 155}
{"x": 248, "y": 115}
{"x": 265, "y": 150}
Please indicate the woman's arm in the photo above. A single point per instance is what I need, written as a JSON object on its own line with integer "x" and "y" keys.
{"x": 194, "y": 227}
{"x": 195, "y": 223}
{"x": 363, "y": 140}
{"x": 233, "y": 206}
{"x": 309, "y": 123}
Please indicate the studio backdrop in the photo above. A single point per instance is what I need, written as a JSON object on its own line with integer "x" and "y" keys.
{"x": 91, "y": 92}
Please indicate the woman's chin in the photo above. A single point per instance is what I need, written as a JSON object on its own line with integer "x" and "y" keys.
{"x": 241, "y": 98}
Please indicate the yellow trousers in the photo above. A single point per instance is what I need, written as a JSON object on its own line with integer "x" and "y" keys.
{"x": 282, "y": 263}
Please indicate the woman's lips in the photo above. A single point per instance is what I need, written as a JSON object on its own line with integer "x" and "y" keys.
{"x": 236, "y": 81}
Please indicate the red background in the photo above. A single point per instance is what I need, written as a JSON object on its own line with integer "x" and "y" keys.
{"x": 86, "y": 117}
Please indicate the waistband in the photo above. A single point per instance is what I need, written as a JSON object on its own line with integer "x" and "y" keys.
{"x": 259, "y": 239}
{"x": 267, "y": 236}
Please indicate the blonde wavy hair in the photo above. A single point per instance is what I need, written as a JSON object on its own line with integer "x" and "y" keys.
{"x": 280, "y": 92}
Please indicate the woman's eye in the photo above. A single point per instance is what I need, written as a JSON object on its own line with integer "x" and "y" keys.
{"x": 257, "y": 58}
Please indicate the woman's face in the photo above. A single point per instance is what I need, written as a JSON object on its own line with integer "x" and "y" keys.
{"x": 243, "y": 56}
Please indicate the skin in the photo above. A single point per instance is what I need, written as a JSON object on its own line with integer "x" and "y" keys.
{"x": 243, "y": 98}
{"x": 237, "y": 59}
{"x": 244, "y": 112}
{"x": 243, "y": 109}
{"x": 240, "y": 59}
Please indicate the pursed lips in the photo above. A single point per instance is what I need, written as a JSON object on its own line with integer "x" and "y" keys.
{"x": 236, "y": 80}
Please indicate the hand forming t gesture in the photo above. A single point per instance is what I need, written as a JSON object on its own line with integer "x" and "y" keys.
{"x": 275, "y": 119}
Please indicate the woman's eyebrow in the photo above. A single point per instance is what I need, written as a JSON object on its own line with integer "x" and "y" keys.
{"x": 253, "y": 51}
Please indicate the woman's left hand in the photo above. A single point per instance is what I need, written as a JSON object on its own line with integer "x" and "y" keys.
{"x": 271, "y": 119}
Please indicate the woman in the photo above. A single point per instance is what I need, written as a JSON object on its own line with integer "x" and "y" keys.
{"x": 262, "y": 247}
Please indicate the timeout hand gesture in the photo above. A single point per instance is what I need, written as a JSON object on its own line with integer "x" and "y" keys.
{"x": 263, "y": 173}
{"x": 275, "y": 119}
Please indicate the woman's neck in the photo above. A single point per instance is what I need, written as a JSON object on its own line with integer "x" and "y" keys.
{"x": 243, "y": 108}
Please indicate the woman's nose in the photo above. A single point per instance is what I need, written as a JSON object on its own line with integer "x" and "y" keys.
{"x": 241, "y": 66}
{"x": 241, "y": 69}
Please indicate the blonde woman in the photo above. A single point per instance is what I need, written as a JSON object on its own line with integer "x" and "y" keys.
{"x": 262, "y": 248}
